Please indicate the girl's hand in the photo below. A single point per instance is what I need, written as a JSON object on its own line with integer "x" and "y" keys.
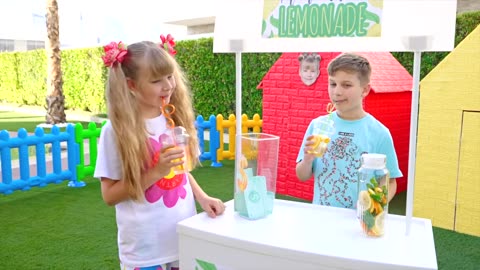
{"x": 169, "y": 157}
{"x": 212, "y": 206}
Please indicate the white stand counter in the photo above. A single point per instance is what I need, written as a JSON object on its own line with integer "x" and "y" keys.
{"x": 302, "y": 236}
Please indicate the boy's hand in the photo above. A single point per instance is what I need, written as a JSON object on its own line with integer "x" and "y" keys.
{"x": 212, "y": 206}
{"x": 308, "y": 149}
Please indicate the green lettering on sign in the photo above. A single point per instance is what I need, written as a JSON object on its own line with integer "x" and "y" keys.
{"x": 323, "y": 19}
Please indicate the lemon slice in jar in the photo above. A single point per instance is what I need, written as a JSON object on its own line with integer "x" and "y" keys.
{"x": 378, "y": 228}
{"x": 364, "y": 200}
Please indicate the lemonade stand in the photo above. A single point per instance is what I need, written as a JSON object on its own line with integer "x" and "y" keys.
{"x": 300, "y": 235}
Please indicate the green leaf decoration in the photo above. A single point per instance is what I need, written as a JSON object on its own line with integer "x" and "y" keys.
{"x": 374, "y": 182}
{"x": 206, "y": 265}
{"x": 372, "y": 16}
{"x": 377, "y": 197}
{"x": 264, "y": 26}
{"x": 275, "y": 22}
{"x": 368, "y": 219}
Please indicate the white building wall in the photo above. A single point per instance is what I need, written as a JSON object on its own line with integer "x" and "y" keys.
{"x": 88, "y": 23}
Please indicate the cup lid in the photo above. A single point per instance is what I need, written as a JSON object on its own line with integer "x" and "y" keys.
{"x": 324, "y": 126}
{"x": 374, "y": 161}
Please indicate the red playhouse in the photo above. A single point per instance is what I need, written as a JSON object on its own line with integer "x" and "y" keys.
{"x": 289, "y": 105}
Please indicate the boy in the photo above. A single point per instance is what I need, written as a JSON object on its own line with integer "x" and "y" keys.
{"x": 356, "y": 133}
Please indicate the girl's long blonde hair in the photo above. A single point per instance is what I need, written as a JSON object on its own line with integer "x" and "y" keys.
{"x": 124, "y": 111}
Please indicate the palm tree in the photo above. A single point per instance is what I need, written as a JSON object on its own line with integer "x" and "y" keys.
{"x": 55, "y": 99}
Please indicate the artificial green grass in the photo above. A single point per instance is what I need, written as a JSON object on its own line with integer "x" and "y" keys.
{"x": 57, "y": 227}
{"x": 12, "y": 121}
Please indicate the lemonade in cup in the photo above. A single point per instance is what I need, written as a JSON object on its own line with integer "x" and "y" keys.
{"x": 179, "y": 138}
{"x": 323, "y": 129}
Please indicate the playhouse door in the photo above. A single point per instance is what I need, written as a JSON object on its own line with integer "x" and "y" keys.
{"x": 467, "y": 216}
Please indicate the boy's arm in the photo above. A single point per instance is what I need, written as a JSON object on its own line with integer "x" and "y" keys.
{"x": 387, "y": 147}
{"x": 304, "y": 168}
{"x": 392, "y": 188}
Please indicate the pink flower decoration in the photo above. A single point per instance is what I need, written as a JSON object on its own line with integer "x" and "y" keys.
{"x": 114, "y": 53}
{"x": 168, "y": 44}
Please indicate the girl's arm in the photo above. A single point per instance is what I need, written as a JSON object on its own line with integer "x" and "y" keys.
{"x": 212, "y": 206}
{"x": 115, "y": 191}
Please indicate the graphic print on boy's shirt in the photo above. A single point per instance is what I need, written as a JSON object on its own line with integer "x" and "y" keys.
{"x": 168, "y": 188}
{"x": 338, "y": 176}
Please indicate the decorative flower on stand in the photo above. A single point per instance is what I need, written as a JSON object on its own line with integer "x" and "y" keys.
{"x": 114, "y": 53}
{"x": 168, "y": 44}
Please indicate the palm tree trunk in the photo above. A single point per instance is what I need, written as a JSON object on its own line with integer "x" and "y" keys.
{"x": 55, "y": 99}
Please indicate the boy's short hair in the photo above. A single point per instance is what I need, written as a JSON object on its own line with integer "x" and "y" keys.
{"x": 350, "y": 62}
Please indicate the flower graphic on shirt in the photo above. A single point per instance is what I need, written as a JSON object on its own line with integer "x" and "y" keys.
{"x": 170, "y": 188}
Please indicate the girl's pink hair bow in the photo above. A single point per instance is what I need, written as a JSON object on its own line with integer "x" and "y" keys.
{"x": 114, "y": 53}
{"x": 168, "y": 44}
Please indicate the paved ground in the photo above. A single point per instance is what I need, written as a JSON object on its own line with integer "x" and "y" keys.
{"x": 467, "y": 5}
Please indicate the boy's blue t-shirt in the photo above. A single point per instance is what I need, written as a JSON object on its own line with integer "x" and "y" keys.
{"x": 335, "y": 174}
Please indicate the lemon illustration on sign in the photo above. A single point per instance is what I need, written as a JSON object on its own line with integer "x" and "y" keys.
{"x": 268, "y": 7}
{"x": 364, "y": 200}
{"x": 376, "y": 3}
{"x": 375, "y": 30}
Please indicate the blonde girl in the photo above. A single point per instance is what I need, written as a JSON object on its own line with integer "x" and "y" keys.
{"x": 134, "y": 166}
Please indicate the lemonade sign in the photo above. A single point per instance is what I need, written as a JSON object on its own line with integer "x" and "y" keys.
{"x": 321, "y": 18}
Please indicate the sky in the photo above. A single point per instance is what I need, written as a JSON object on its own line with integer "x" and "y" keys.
{"x": 85, "y": 23}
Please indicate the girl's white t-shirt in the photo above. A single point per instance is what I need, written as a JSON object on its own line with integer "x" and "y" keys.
{"x": 146, "y": 230}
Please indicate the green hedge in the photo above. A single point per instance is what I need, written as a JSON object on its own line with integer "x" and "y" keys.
{"x": 212, "y": 76}
{"x": 23, "y": 77}
{"x": 84, "y": 77}
{"x": 9, "y": 78}
{"x": 32, "y": 84}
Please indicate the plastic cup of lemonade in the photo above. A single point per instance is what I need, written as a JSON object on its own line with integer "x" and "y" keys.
{"x": 179, "y": 138}
{"x": 323, "y": 129}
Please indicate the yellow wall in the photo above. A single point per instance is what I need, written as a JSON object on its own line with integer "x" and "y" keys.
{"x": 447, "y": 93}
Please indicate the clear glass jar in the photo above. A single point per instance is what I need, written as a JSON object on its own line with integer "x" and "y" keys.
{"x": 372, "y": 202}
